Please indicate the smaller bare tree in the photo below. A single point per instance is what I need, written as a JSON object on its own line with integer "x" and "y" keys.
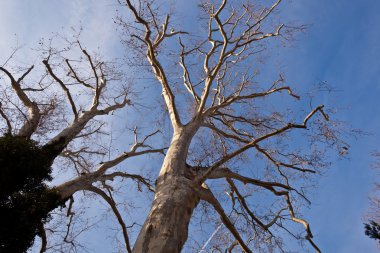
{"x": 56, "y": 111}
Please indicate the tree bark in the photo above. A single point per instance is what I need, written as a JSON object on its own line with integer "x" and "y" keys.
{"x": 166, "y": 227}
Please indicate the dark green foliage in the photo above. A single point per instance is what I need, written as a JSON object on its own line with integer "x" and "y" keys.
{"x": 23, "y": 165}
{"x": 25, "y": 199}
{"x": 372, "y": 230}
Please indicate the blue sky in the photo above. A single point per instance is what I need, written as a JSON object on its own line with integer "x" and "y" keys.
{"x": 341, "y": 47}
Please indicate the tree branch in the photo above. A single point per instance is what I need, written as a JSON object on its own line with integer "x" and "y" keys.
{"x": 86, "y": 180}
{"x": 235, "y": 98}
{"x": 228, "y": 174}
{"x": 64, "y": 88}
{"x": 186, "y": 76}
{"x": 5, "y": 117}
{"x": 157, "y": 68}
{"x": 34, "y": 116}
{"x": 253, "y": 143}
{"x": 208, "y": 196}
{"x": 113, "y": 206}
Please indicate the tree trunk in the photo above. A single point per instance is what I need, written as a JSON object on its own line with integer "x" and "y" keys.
{"x": 166, "y": 227}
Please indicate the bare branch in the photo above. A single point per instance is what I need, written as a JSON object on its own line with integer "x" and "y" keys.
{"x": 61, "y": 140}
{"x": 259, "y": 139}
{"x": 75, "y": 75}
{"x": 34, "y": 116}
{"x": 69, "y": 214}
{"x": 82, "y": 182}
{"x": 42, "y": 233}
{"x": 227, "y": 173}
{"x": 5, "y": 117}
{"x": 236, "y": 97}
{"x": 109, "y": 199}
{"x": 186, "y": 76}
{"x": 309, "y": 235}
{"x": 136, "y": 177}
{"x": 277, "y": 163}
{"x": 156, "y": 65}
{"x": 245, "y": 206}
{"x": 63, "y": 86}
{"x": 207, "y": 195}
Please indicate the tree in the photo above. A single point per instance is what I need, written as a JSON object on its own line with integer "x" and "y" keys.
{"x": 372, "y": 227}
{"x": 372, "y": 230}
{"x": 233, "y": 122}
{"x": 38, "y": 110}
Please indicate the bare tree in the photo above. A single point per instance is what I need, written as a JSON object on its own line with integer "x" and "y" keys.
{"x": 60, "y": 110}
{"x": 236, "y": 149}
{"x": 229, "y": 129}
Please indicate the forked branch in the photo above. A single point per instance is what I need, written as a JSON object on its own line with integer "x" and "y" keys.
{"x": 155, "y": 63}
{"x": 208, "y": 196}
{"x": 254, "y": 142}
{"x": 111, "y": 202}
{"x": 88, "y": 179}
{"x": 34, "y": 114}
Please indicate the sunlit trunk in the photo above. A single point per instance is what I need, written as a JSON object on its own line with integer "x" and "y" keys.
{"x": 166, "y": 227}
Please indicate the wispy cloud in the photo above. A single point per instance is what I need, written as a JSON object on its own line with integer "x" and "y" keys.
{"x": 25, "y": 22}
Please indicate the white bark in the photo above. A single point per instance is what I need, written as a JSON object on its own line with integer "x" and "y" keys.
{"x": 34, "y": 114}
{"x": 166, "y": 227}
